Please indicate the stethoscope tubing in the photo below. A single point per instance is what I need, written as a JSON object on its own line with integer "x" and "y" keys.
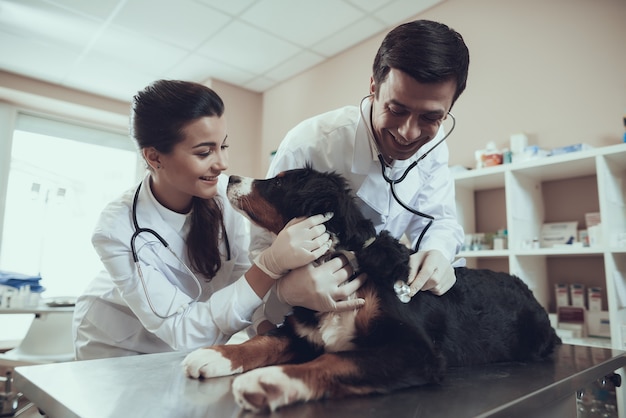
{"x": 136, "y": 233}
{"x": 393, "y": 182}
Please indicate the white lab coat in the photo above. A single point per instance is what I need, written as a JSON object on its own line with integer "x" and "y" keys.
{"x": 113, "y": 318}
{"x": 338, "y": 141}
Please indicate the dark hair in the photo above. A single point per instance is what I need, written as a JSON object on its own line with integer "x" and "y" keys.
{"x": 428, "y": 51}
{"x": 159, "y": 114}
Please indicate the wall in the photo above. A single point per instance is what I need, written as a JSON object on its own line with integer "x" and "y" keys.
{"x": 244, "y": 117}
{"x": 243, "y": 114}
{"x": 553, "y": 69}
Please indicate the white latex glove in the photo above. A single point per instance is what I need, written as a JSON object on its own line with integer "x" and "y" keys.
{"x": 430, "y": 270}
{"x": 300, "y": 242}
{"x": 322, "y": 288}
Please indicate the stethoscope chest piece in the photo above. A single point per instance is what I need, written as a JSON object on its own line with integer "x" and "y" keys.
{"x": 403, "y": 291}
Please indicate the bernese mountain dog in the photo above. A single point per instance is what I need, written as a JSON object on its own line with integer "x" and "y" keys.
{"x": 387, "y": 344}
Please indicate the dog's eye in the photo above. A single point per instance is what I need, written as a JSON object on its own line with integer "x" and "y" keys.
{"x": 278, "y": 183}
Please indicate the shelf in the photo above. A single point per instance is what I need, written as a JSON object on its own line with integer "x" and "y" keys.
{"x": 557, "y": 252}
{"x": 484, "y": 253}
{"x": 523, "y": 196}
{"x": 589, "y": 342}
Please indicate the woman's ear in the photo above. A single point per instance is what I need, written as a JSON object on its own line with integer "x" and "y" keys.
{"x": 152, "y": 157}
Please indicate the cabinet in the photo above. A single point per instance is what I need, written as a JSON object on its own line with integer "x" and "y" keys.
{"x": 521, "y": 197}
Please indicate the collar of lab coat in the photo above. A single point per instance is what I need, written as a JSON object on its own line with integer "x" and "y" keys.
{"x": 374, "y": 190}
{"x": 169, "y": 224}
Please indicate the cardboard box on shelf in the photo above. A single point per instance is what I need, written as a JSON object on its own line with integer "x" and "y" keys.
{"x": 572, "y": 318}
{"x": 558, "y": 233}
{"x": 561, "y": 291}
{"x": 598, "y": 324}
{"x": 577, "y": 293}
{"x": 594, "y": 299}
{"x": 592, "y": 219}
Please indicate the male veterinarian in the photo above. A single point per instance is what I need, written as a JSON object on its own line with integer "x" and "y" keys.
{"x": 418, "y": 73}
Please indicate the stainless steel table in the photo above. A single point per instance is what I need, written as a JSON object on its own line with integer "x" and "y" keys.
{"x": 155, "y": 386}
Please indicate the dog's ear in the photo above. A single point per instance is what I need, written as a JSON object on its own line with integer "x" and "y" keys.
{"x": 385, "y": 260}
{"x": 352, "y": 228}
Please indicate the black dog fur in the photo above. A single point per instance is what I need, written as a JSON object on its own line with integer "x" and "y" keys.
{"x": 486, "y": 317}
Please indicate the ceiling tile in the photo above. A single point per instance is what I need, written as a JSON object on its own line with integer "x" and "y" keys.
{"x": 184, "y": 23}
{"x": 296, "y": 64}
{"x": 243, "y": 46}
{"x": 116, "y": 47}
{"x": 231, "y": 7}
{"x": 35, "y": 59}
{"x": 369, "y": 5}
{"x": 402, "y": 10}
{"x": 348, "y": 37}
{"x": 101, "y": 75}
{"x": 100, "y": 9}
{"x": 260, "y": 84}
{"x": 198, "y": 68}
{"x": 47, "y": 24}
{"x": 301, "y": 22}
{"x": 127, "y": 47}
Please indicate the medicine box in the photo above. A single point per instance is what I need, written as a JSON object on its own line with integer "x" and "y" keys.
{"x": 572, "y": 319}
{"x": 594, "y": 299}
{"x": 598, "y": 324}
{"x": 577, "y": 293}
{"x": 562, "y": 294}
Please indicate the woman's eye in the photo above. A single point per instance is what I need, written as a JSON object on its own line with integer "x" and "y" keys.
{"x": 206, "y": 153}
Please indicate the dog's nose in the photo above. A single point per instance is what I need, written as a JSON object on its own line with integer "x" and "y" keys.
{"x": 234, "y": 180}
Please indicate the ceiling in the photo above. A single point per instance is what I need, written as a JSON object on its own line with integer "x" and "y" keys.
{"x": 114, "y": 48}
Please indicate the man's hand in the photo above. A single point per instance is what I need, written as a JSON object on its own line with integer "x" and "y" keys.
{"x": 430, "y": 270}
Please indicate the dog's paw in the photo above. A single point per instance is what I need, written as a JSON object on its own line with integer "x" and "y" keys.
{"x": 208, "y": 362}
{"x": 268, "y": 388}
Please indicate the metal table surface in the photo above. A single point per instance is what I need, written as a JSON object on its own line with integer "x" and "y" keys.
{"x": 155, "y": 386}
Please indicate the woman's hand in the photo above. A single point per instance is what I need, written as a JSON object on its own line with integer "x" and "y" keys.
{"x": 301, "y": 241}
{"x": 321, "y": 288}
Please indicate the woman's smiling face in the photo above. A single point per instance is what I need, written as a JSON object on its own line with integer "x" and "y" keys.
{"x": 407, "y": 114}
{"x": 194, "y": 164}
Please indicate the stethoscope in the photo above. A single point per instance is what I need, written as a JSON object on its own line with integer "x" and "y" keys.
{"x": 139, "y": 230}
{"x": 393, "y": 182}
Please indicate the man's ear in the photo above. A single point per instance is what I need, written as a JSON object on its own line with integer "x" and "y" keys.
{"x": 372, "y": 85}
{"x": 152, "y": 157}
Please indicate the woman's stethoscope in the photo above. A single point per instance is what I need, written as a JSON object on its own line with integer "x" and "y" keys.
{"x": 392, "y": 182}
{"x": 139, "y": 230}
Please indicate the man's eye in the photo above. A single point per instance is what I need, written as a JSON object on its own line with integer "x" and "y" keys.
{"x": 396, "y": 112}
{"x": 433, "y": 118}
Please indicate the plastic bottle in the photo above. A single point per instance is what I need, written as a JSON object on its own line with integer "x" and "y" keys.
{"x": 491, "y": 156}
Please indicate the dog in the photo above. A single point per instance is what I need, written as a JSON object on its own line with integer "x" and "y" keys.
{"x": 386, "y": 345}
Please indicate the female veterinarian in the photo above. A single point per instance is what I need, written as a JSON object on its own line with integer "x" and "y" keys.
{"x": 178, "y": 274}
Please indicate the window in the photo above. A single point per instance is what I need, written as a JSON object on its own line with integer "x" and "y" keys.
{"x": 61, "y": 177}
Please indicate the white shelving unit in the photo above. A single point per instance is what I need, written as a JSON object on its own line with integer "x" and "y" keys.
{"x": 521, "y": 197}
